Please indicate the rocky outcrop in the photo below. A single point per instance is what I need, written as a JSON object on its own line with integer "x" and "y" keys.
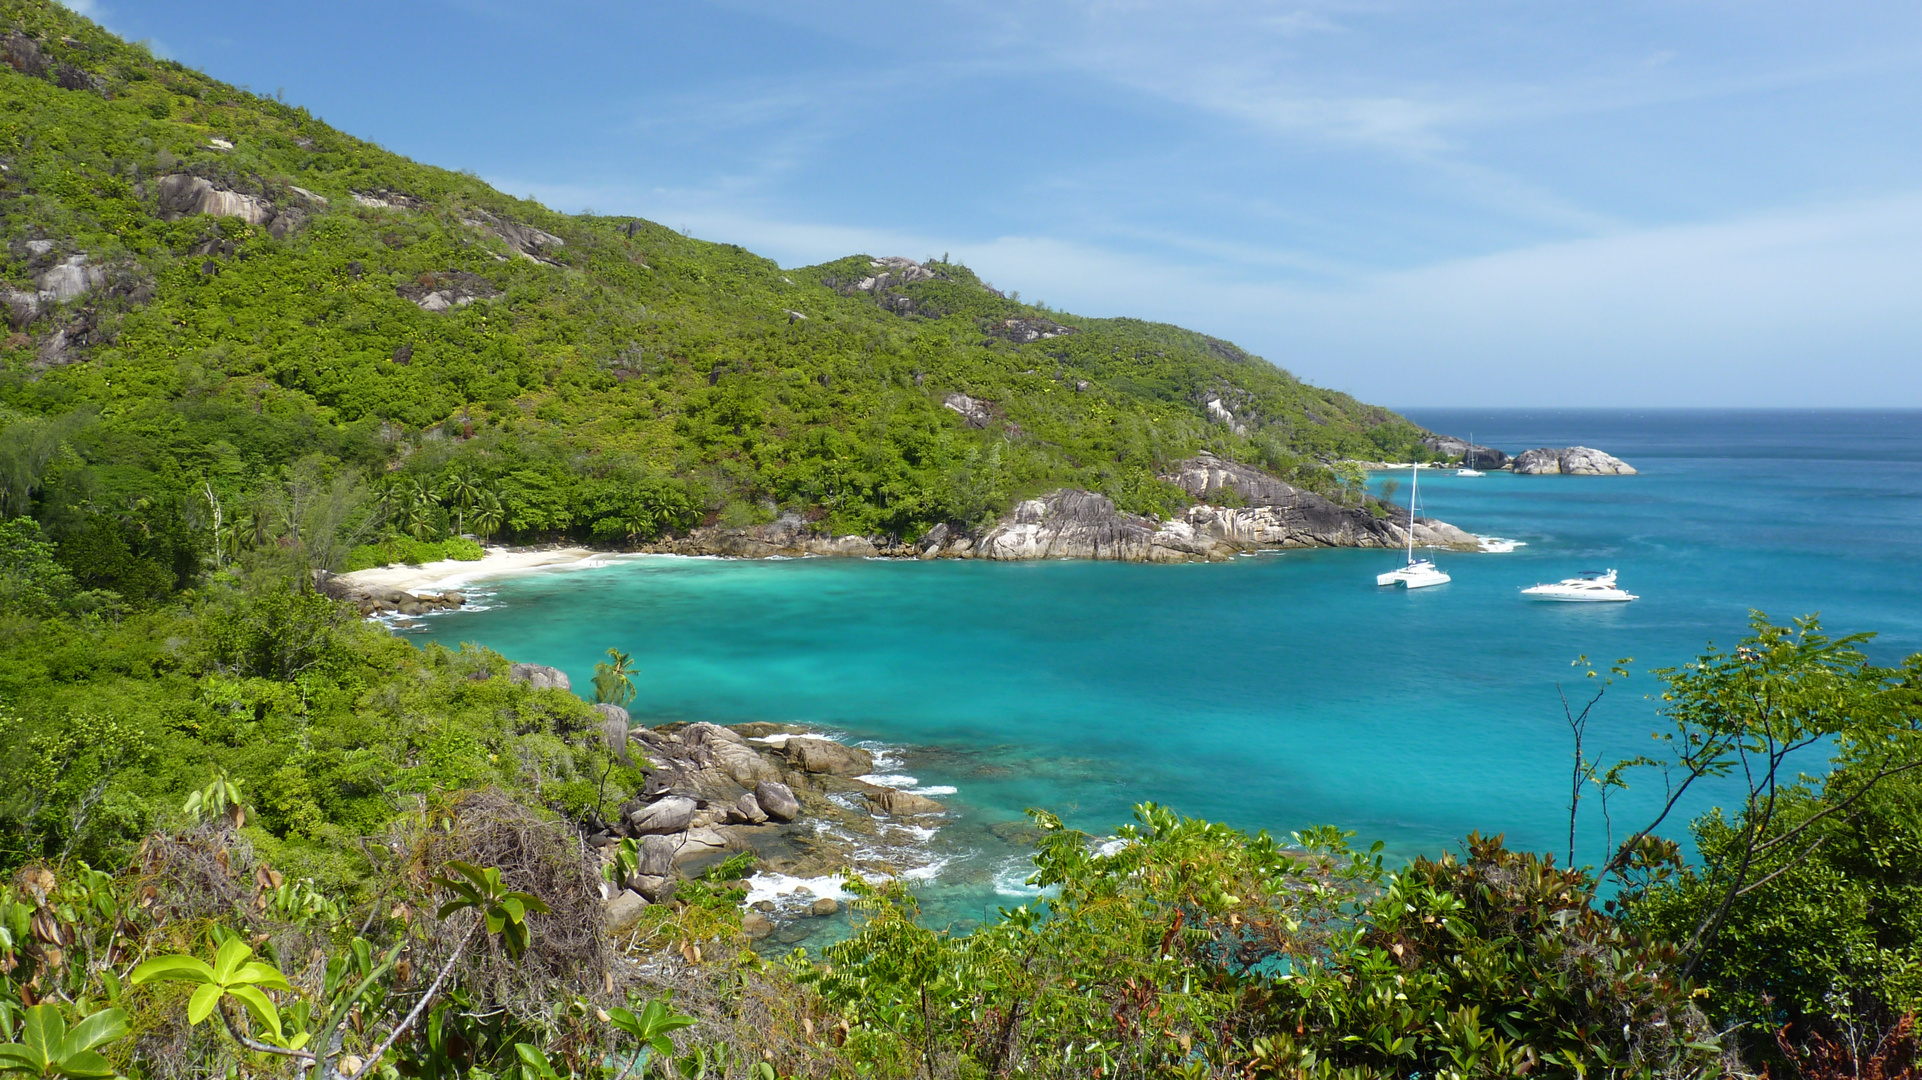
{"x": 394, "y": 601}
{"x": 973, "y": 412}
{"x": 184, "y": 195}
{"x": 1471, "y": 455}
{"x": 435, "y": 293}
{"x": 816, "y": 755}
{"x": 789, "y": 536}
{"x": 525, "y": 241}
{"x": 1074, "y": 524}
{"x": 540, "y": 676}
{"x": 1570, "y": 461}
{"x": 1263, "y": 512}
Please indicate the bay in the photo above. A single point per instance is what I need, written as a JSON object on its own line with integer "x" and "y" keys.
{"x": 1281, "y": 690}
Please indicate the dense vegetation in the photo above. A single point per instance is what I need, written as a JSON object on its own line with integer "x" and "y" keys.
{"x": 427, "y": 356}
{"x": 248, "y": 834}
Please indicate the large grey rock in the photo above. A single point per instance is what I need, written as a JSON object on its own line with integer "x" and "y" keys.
{"x": 68, "y": 279}
{"x": 655, "y": 857}
{"x": 974, "y": 412}
{"x": 614, "y": 725}
{"x": 184, "y": 195}
{"x": 658, "y": 888}
{"x": 1570, "y": 461}
{"x": 624, "y": 911}
{"x": 668, "y": 815}
{"x": 827, "y": 756}
{"x": 539, "y": 676}
{"x": 746, "y": 810}
{"x": 778, "y": 800}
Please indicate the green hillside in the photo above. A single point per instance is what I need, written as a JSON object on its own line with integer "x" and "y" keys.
{"x": 345, "y": 315}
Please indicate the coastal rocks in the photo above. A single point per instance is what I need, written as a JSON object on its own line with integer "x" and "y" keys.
{"x": 669, "y": 815}
{"x": 825, "y": 906}
{"x": 539, "y": 676}
{"x": 624, "y": 911}
{"x": 777, "y": 800}
{"x": 1471, "y": 455}
{"x": 614, "y": 727}
{"x": 1570, "y": 461}
{"x": 789, "y": 536}
{"x": 756, "y": 925}
{"x": 1074, "y": 524}
{"x": 897, "y": 803}
{"x": 818, "y": 755}
{"x": 397, "y": 602}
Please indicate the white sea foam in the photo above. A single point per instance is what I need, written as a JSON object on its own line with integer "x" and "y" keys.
{"x": 1496, "y": 545}
{"x": 1011, "y": 879}
{"x": 893, "y": 780}
{"x": 780, "y": 888}
{"x": 937, "y": 789}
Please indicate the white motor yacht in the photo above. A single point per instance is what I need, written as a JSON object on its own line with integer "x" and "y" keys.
{"x": 1416, "y": 573}
{"x": 1595, "y": 586}
{"x": 1465, "y": 471}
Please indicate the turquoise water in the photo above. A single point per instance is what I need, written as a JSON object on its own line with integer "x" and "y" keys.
{"x": 1280, "y": 690}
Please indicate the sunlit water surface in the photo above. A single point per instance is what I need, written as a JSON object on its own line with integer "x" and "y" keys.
{"x": 1281, "y": 690}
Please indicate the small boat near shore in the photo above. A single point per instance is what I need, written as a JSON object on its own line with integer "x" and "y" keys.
{"x": 1594, "y": 586}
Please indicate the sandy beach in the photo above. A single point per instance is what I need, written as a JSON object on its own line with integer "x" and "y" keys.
{"x": 453, "y": 573}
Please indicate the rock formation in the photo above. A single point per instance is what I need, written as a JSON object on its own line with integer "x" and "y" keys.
{"x": 1570, "y": 461}
{"x": 1472, "y": 455}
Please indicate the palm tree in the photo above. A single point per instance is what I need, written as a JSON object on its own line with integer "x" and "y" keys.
{"x": 417, "y": 504}
{"x": 613, "y": 681}
{"x": 488, "y": 515}
{"x": 464, "y": 488}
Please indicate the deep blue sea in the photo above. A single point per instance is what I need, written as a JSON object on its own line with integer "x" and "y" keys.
{"x": 1285, "y": 689}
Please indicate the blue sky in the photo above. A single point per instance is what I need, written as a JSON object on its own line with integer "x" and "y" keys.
{"x": 1424, "y": 203}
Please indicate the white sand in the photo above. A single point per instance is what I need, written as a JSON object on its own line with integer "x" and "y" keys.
{"x": 453, "y": 573}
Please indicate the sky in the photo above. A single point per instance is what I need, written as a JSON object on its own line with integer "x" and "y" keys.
{"x": 1420, "y": 202}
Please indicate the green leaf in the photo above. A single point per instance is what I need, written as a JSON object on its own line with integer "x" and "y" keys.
{"x": 261, "y": 974}
{"x": 41, "y": 1034}
{"x": 260, "y": 1005}
{"x": 102, "y": 1027}
{"x": 229, "y": 958}
{"x": 16, "y": 1056}
{"x": 85, "y": 1064}
{"x": 201, "y": 1005}
{"x": 515, "y": 909}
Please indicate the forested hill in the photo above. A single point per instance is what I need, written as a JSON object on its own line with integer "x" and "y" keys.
{"x": 216, "y": 298}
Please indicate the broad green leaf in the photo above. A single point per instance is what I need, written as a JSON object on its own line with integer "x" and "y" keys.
{"x": 85, "y": 1065}
{"x": 16, "y": 1056}
{"x": 515, "y": 909}
{"x": 41, "y": 1034}
{"x": 261, "y": 974}
{"x": 201, "y": 1005}
{"x": 229, "y": 959}
{"x": 102, "y": 1027}
{"x": 495, "y": 920}
{"x": 260, "y": 1005}
{"x": 182, "y": 968}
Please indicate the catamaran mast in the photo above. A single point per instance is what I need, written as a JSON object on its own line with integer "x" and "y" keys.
{"x": 1414, "y": 489}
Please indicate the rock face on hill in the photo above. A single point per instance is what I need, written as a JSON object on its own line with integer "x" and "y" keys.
{"x": 1571, "y": 461}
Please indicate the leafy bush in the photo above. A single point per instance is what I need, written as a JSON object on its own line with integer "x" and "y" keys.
{"x": 412, "y": 552}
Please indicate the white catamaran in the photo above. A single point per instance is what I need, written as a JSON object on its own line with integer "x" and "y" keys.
{"x": 1417, "y": 573}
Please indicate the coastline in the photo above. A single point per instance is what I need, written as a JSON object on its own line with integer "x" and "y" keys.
{"x": 451, "y": 573}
